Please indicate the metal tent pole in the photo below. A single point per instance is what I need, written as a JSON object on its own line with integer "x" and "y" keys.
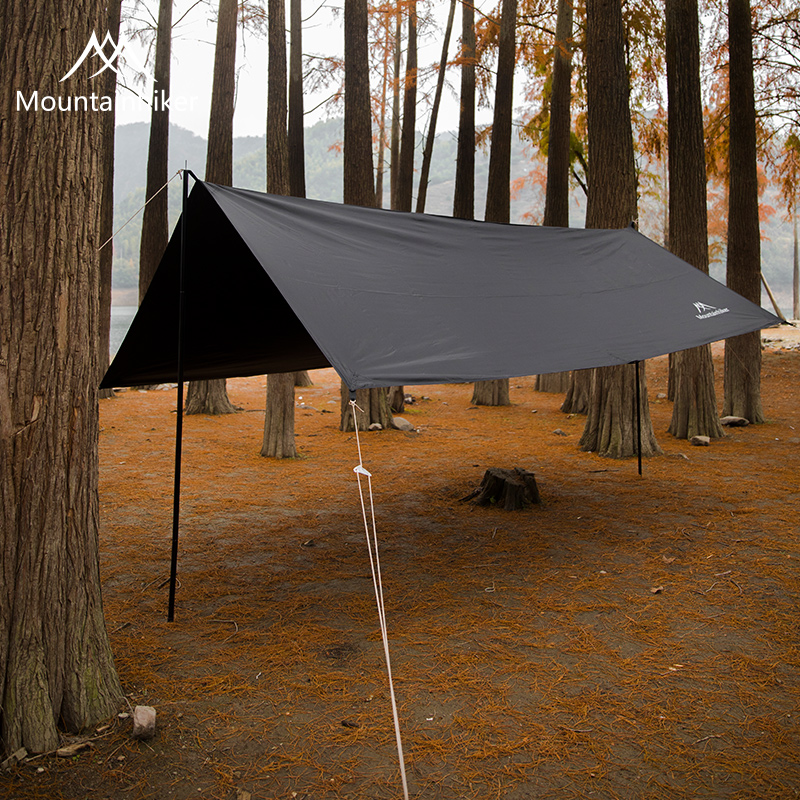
{"x": 176, "y": 496}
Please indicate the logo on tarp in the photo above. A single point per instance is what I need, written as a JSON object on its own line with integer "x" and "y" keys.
{"x": 704, "y": 311}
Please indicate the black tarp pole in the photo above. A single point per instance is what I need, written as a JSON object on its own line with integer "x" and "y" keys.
{"x": 176, "y": 495}
{"x": 638, "y": 419}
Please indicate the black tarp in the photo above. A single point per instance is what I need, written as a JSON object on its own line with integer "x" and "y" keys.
{"x": 276, "y": 284}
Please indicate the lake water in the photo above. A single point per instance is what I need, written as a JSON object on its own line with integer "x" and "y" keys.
{"x": 121, "y": 318}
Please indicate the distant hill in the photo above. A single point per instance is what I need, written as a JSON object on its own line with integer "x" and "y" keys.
{"x": 323, "y": 143}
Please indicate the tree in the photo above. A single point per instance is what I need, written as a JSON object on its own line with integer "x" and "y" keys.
{"x": 743, "y": 353}
{"x": 56, "y": 666}
{"x": 394, "y": 145}
{"x": 408, "y": 137}
{"x": 498, "y": 191}
{"x": 211, "y": 396}
{"x": 694, "y": 412}
{"x": 464, "y": 195}
{"x": 155, "y": 223}
{"x": 427, "y": 152}
{"x": 114, "y": 11}
{"x": 611, "y": 425}
{"x": 556, "y": 201}
{"x": 296, "y": 143}
{"x": 359, "y": 188}
{"x": 278, "y": 439}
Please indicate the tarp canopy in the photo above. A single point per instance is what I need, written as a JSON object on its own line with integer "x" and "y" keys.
{"x": 277, "y": 284}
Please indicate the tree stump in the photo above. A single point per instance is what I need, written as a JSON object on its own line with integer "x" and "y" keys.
{"x": 506, "y": 488}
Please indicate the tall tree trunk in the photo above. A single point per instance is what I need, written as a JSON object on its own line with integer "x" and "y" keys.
{"x": 56, "y": 666}
{"x": 381, "y": 168}
{"x": 464, "y": 194}
{"x": 427, "y": 152}
{"x": 278, "y": 441}
{"x": 743, "y": 353}
{"x": 297, "y": 163}
{"x": 211, "y": 397}
{"x": 611, "y": 203}
{"x": 556, "y": 200}
{"x": 155, "y": 221}
{"x": 498, "y": 191}
{"x": 408, "y": 137}
{"x": 694, "y": 412}
{"x": 394, "y": 152}
{"x": 114, "y": 9}
{"x": 359, "y": 189}
{"x": 296, "y": 131}
{"x": 796, "y": 269}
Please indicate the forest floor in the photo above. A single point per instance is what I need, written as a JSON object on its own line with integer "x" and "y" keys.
{"x": 629, "y": 638}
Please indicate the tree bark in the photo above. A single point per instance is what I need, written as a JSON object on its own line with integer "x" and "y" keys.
{"x": 302, "y": 378}
{"x": 56, "y": 666}
{"x": 694, "y": 412}
{"x": 555, "y": 382}
{"x": 464, "y": 195}
{"x": 359, "y": 189}
{"x": 427, "y": 153}
{"x": 211, "y": 397}
{"x": 611, "y": 203}
{"x": 114, "y": 10}
{"x": 278, "y": 441}
{"x": 155, "y": 221}
{"x": 279, "y": 422}
{"x": 556, "y": 200}
{"x": 743, "y": 353}
{"x": 611, "y": 427}
{"x": 394, "y": 152}
{"x": 297, "y": 164}
{"x": 498, "y": 191}
{"x": 408, "y": 137}
{"x": 578, "y": 392}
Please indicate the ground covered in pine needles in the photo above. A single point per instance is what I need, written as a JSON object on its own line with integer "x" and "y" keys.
{"x": 629, "y": 638}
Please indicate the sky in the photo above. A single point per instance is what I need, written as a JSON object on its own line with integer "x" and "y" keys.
{"x": 193, "y": 62}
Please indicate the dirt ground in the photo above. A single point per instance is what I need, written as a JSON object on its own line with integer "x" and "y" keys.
{"x": 629, "y": 638}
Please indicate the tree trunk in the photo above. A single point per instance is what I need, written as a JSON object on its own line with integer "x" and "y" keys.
{"x": 611, "y": 203}
{"x": 374, "y": 405}
{"x": 302, "y": 378}
{"x": 107, "y": 207}
{"x": 694, "y": 412}
{"x": 555, "y": 382}
{"x": 743, "y": 353}
{"x": 208, "y": 397}
{"x": 279, "y": 422}
{"x": 381, "y": 168}
{"x": 408, "y": 138}
{"x": 397, "y": 399}
{"x": 278, "y": 441}
{"x": 611, "y": 427}
{"x": 556, "y": 201}
{"x": 56, "y": 666}
{"x": 155, "y": 221}
{"x": 498, "y": 191}
{"x": 394, "y": 152}
{"x": 427, "y": 153}
{"x": 211, "y": 397}
{"x": 796, "y": 269}
{"x": 578, "y": 392}
{"x": 297, "y": 164}
{"x": 464, "y": 195}
{"x": 359, "y": 188}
